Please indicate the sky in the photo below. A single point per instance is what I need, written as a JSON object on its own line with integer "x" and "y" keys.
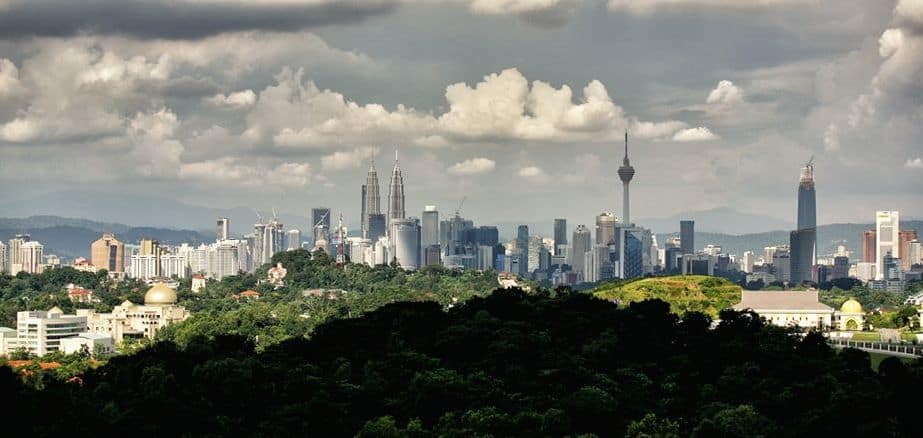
{"x": 519, "y": 106}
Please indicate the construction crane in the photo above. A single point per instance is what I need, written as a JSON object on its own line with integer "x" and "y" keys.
{"x": 810, "y": 162}
{"x": 460, "y": 204}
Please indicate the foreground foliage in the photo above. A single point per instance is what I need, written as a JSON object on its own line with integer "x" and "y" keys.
{"x": 507, "y": 364}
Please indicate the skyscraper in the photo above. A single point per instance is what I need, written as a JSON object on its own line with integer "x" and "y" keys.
{"x": 522, "y": 247}
{"x": 430, "y": 227}
{"x": 605, "y": 228}
{"x": 108, "y": 253}
{"x": 626, "y": 173}
{"x": 320, "y": 224}
{"x": 405, "y": 238}
{"x": 371, "y": 199}
{"x": 3, "y": 258}
{"x": 803, "y": 241}
{"x": 560, "y": 235}
{"x": 32, "y": 257}
{"x": 581, "y": 244}
{"x": 904, "y": 239}
{"x": 869, "y": 239}
{"x": 15, "y": 251}
{"x": 887, "y": 231}
{"x": 293, "y": 239}
{"x": 396, "y": 195}
{"x": 687, "y": 236}
{"x": 224, "y": 229}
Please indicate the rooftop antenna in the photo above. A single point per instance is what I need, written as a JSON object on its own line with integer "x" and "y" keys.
{"x": 810, "y": 162}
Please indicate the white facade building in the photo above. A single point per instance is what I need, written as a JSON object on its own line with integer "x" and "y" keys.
{"x": 887, "y": 227}
{"x": 92, "y": 343}
{"x": 32, "y": 258}
{"x": 39, "y": 332}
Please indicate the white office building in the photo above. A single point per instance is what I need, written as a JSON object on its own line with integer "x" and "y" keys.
{"x": 887, "y": 227}
{"x": 39, "y": 332}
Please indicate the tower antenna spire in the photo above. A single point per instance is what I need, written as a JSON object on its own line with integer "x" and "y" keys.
{"x": 626, "y": 144}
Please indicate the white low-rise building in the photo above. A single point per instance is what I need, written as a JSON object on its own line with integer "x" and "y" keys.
{"x": 92, "y": 343}
{"x": 40, "y": 332}
{"x": 788, "y": 308}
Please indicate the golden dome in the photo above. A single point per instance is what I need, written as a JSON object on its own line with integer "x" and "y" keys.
{"x": 160, "y": 294}
{"x": 851, "y": 306}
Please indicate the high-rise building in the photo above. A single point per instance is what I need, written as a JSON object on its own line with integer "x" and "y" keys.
{"x": 698, "y": 264}
{"x": 747, "y": 262}
{"x": 108, "y": 253}
{"x": 606, "y": 224}
{"x": 802, "y": 253}
{"x": 430, "y": 227}
{"x": 840, "y": 268}
{"x": 782, "y": 264}
{"x": 915, "y": 252}
{"x": 904, "y": 239}
{"x": 687, "y": 236}
{"x": 452, "y": 234}
{"x": 535, "y": 252}
{"x": 580, "y": 244}
{"x": 320, "y": 223}
{"x": 224, "y": 229}
{"x": 273, "y": 240}
{"x": 626, "y": 173}
{"x": 293, "y": 239}
{"x": 485, "y": 257}
{"x": 631, "y": 252}
{"x": 405, "y": 237}
{"x": 4, "y": 259}
{"x": 432, "y": 255}
{"x": 560, "y": 235}
{"x": 869, "y": 239}
{"x": 371, "y": 199}
{"x": 522, "y": 247}
{"x": 803, "y": 241}
{"x": 396, "y": 195}
{"x": 377, "y": 227}
{"x": 32, "y": 257}
{"x": 15, "y": 251}
{"x": 887, "y": 230}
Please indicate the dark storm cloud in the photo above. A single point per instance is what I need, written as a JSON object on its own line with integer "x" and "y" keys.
{"x": 176, "y": 19}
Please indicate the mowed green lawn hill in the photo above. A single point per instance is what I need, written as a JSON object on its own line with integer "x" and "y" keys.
{"x": 690, "y": 293}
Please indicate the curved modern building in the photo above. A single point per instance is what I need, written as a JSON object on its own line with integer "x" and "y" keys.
{"x": 405, "y": 239}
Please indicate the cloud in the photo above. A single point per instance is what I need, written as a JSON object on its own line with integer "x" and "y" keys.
{"x": 229, "y": 170}
{"x": 647, "y": 7}
{"x": 236, "y": 100}
{"x": 656, "y": 130}
{"x": 914, "y": 163}
{"x": 178, "y": 19}
{"x": 348, "y": 159}
{"x": 297, "y": 114}
{"x": 153, "y": 146}
{"x": 10, "y": 86}
{"x": 472, "y": 166}
{"x": 695, "y": 134}
{"x": 531, "y": 172}
{"x": 543, "y": 13}
{"x": 726, "y": 93}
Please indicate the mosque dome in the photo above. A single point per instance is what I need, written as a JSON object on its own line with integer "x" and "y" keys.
{"x": 160, "y": 294}
{"x": 851, "y": 306}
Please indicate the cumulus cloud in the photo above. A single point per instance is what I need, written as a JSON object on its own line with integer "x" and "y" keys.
{"x": 914, "y": 163}
{"x": 236, "y": 100}
{"x": 473, "y": 166}
{"x": 695, "y": 134}
{"x": 178, "y": 18}
{"x": 531, "y": 172}
{"x": 348, "y": 159}
{"x": 10, "y": 86}
{"x": 726, "y": 93}
{"x": 154, "y": 148}
{"x": 229, "y": 170}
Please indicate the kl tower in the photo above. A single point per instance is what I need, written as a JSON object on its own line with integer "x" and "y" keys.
{"x": 626, "y": 172}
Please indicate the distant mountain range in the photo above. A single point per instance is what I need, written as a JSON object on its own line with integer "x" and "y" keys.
{"x": 70, "y": 238}
{"x": 828, "y": 237}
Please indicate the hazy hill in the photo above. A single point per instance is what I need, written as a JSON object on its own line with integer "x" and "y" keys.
{"x": 828, "y": 237}
{"x": 69, "y": 238}
{"x": 684, "y": 293}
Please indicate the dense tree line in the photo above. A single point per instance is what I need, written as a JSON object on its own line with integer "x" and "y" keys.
{"x": 507, "y": 364}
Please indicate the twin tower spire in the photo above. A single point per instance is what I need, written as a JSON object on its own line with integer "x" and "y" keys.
{"x": 371, "y": 202}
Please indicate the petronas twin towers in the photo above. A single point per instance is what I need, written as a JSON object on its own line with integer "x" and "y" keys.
{"x": 371, "y": 202}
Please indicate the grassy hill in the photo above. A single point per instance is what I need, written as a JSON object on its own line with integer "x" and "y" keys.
{"x": 684, "y": 293}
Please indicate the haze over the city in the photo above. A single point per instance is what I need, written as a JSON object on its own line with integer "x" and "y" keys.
{"x": 518, "y": 105}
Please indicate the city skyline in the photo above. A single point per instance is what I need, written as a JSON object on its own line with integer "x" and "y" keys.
{"x": 292, "y": 117}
